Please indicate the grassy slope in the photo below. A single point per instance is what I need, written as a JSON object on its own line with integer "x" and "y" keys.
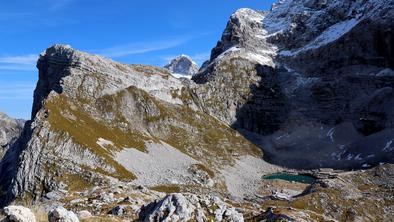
{"x": 192, "y": 132}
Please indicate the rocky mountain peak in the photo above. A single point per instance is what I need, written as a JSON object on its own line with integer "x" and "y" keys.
{"x": 93, "y": 115}
{"x": 241, "y": 32}
{"x": 183, "y": 65}
{"x": 305, "y": 55}
{"x": 79, "y": 75}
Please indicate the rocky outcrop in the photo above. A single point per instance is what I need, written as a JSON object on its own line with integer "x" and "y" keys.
{"x": 91, "y": 115}
{"x": 236, "y": 67}
{"x": 182, "y": 66}
{"x": 186, "y": 207}
{"x": 18, "y": 214}
{"x": 10, "y": 130}
{"x": 298, "y": 75}
{"x": 60, "y": 214}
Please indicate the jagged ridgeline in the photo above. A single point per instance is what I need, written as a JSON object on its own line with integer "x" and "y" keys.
{"x": 306, "y": 85}
{"x": 92, "y": 116}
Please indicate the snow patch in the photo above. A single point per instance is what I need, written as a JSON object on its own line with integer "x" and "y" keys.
{"x": 331, "y": 134}
{"x": 358, "y": 157}
{"x": 228, "y": 51}
{"x": 330, "y": 35}
{"x": 249, "y": 14}
{"x": 264, "y": 57}
{"x": 177, "y": 75}
{"x": 388, "y": 146}
{"x": 261, "y": 59}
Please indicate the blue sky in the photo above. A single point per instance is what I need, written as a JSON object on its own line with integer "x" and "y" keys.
{"x": 147, "y": 32}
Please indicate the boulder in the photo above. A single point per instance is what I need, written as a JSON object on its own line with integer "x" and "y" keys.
{"x": 187, "y": 207}
{"x": 60, "y": 214}
{"x": 118, "y": 210}
{"x": 19, "y": 214}
{"x": 174, "y": 207}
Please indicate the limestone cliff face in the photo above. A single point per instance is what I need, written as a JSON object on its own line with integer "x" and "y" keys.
{"x": 295, "y": 78}
{"x": 94, "y": 119}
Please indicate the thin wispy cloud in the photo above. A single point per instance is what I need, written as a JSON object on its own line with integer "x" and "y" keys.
{"x": 40, "y": 14}
{"x": 142, "y": 47}
{"x": 18, "y": 63}
{"x": 8, "y": 16}
{"x": 16, "y": 90}
{"x": 55, "y": 5}
{"x": 25, "y": 59}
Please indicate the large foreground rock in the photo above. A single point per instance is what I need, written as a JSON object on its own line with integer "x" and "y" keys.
{"x": 186, "y": 207}
{"x": 19, "y": 214}
{"x": 60, "y": 214}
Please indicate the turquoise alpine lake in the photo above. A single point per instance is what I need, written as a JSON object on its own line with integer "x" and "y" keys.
{"x": 290, "y": 177}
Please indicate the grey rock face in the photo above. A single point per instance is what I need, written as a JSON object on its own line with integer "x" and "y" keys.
{"x": 183, "y": 65}
{"x": 73, "y": 74}
{"x": 10, "y": 130}
{"x": 241, "y": 31}
{"x": 88, "y": 109}
{"x": 301, "y": 71}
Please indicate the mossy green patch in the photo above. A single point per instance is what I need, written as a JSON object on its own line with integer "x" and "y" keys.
{"x": 86, "y": 131}
{"x": 206, "y": 137}
{"x": 151, "y": 70}
{"x": 167, "y": 188}
{"x": 130, "y": 117}
{"x": 75, "y": 182}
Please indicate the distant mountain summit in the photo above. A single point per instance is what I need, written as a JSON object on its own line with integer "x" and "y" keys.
{"x": 182, "y": 66}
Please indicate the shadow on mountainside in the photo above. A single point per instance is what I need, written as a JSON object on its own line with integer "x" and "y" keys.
{"x": 52, "y": 68}
{"x": 335, "y": 111}
{"x": 341, "y": 119}
{"x": 9, "y": 166}
{"x": 299, "y": 131}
